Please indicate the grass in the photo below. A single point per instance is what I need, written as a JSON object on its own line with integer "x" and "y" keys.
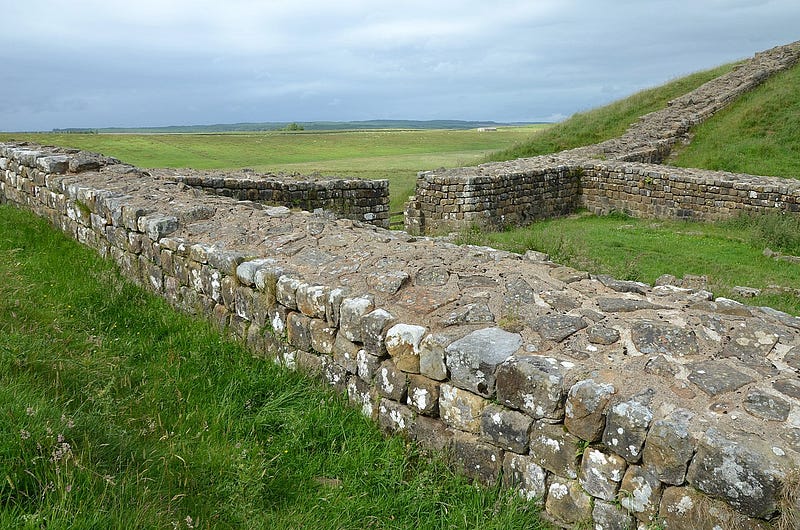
{"x": 118, "y": 412}
{"x": 604, "y": 123}
{"x": 396, "y": 155}
{"x": 730, "y": 254}
{"x": 759, "y": 134}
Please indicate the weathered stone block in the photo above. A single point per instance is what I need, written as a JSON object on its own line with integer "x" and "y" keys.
{"x": 360, "y": 394}
{"x": 311, "y": 300}
{"x": 394, "y": 417}
{"x": 558, "y": 327}
{"x": 461, "y": 409}
{"x": 669, "y": 447}
{"x": 506, "y": 428}
{"x": 286, "y": 291}
{"x": 651, "y": 337}
{"x": 567, "y": 503}
{"x": 556, "y": 450}
{"x": 432, "y": 356}
{"x": 473, "y": 359}
{"x": 333, "y": 373}
{"x": 585, "y": 408}
{"x": 246, "y": 271}
{"x": 600, "y": 334}
{"x": 477, "y": 460}
{"x": 717, "y": 377}
{"x": 373, "y": 331}
{"x": 323, "y": 337}
{"x": 601, "y": 473}
{"x": 522, "y": 472}
{"x": 423, "y": 395}
{"x": 402, "y": 344}
{"x": 684, "y": 508}
{"x": 431, "y": 434}
{"x": 742, "y": 470}
{"x": 533, "y": 384}
{"x": 350, "y": 314}
{"x": 344, "y": 352}
{"x": 367, "y": 364}
{"x": 640, "y": 493}
{"x": 626, "y": 428}
{"x": 608, "y": 516}
{"x": 391, "y": 382}
{"x": 297, "y": 331}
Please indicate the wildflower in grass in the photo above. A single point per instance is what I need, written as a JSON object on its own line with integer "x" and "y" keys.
{"x": 23, "y": 434}
{"x": 30, "y": 411}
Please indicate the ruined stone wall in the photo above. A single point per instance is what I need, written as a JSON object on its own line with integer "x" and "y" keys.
{"x": 602, "y": 400}
{"x": 444, "y": 201}
{"x": 357, "y": 199}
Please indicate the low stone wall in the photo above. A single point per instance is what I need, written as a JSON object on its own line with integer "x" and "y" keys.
{"x": 602, "y": 400}
{"x": 598, "y": 179}
{"x": 357, "y": 199}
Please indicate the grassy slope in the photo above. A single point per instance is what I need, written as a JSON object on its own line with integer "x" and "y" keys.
{"x": 117, "y": 412}
{"x": 394, "y": 155}
{"x": 606, "y": 122}
{"x": 759, "y": 134}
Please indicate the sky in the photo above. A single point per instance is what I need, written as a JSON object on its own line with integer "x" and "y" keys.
{"x": 146, "y": 63}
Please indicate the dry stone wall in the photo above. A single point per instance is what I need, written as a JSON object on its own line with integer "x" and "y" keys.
{"x": 603, "y": 400}
{"x": 598, "y": 178}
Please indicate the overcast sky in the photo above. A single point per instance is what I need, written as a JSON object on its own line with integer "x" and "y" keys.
{"x": 102, "y": 63}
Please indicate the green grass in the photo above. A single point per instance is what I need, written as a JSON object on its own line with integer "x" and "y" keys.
{"x": 730, "y": 254}
{"x": 759, "y": 134}
{"x": 117, "y": 412}
{"x": 604, "y": 123}
{"x": 396, "y": 155}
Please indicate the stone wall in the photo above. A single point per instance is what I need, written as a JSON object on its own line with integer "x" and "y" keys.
{"x": 357, "y": 199}
{"x": 445, "y": 199}
{"x": 602, "y": 400}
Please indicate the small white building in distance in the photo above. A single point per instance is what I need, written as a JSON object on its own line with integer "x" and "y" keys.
{"x": 487, "y": 129}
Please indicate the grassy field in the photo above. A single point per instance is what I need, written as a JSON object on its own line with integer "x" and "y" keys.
{"x": 759, "y": 134}
{"x": 117, "y": 412}
{"x": 396, "y": 155}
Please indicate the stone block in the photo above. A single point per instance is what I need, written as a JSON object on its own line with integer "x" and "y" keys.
{"x": 373, "y": 331}
{"x": 640, "y": 493}
{"x": 286, "y": 291}
{"x": 461, "y": 409}
{"x": 311, "y": 300}
{"x": 423, "y": 395}
{"x": 524, "y": 474}
{"x": 391, "y": 382}
{"x": 367, "y": 364}
{"x": 476, "y": 459}
{"x": 506, "y": 428}
{"x": 472, "y": 360}
{"x": 432, "y": 356}
{"x": 585, "y": 409}
{"x": 333, "y": 373}
{"x": 669, "y": 447}
{"x": 350, "y": 313}
{"x": 601, "y": 473}
{"x": 611, "y": 516}
{"x": 744, "y": 471}
{"x": 533, "y": 384}
{"x": 567, "y": 503}
{"x": 556, "y": 450}
{"x": 402, "y": 344}
{"x": 431, "y": 434}
{"x": 716, "y": 377}
{"x": 394, "y": 418}
{"x": 297, "y": 331}
{"x": 626, "y": 428}
{"x": 651, "y": 337}
{"x": 684, "y": 508}
{"x": 323, "y": 337}
{"x": 558, "y": 327}
{"x": 360, "y": 394}
{"x": 345, "y": 353}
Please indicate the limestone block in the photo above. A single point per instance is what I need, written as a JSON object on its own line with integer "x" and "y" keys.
{"x": 391, "y": 382}
{"x": 533, "y": 384}
{"x": 567, "y": 503}
{"x": 742, "y": 470}
{"x": 556, "y": 450}
{"x": 297, "y": 331}
{"x": 461, "y": 409}
{"x": 610, "y": 516}
{"x": 669, "y": 447}
{"x": 323, "y": 338}
{"x": 585, "y": 409}
{"x": 473, "y": 359}
{"x": 640, "y": 493}
{"x": 522, "y": 472}
{"x": 246, "y": 271}
{"x": 350, "y": 314}
{"x": 403, "y": 345}
{"x": 344, "y": 352}
{"x": 333, "y": 305}
{"x": 506, "y": 428}
{"x": 156, "y": 226}
{"x": 286, "y": 291}
{"x": 373, "y": 331}
{"x": 367, "y": 364}
{"x": 432, "y": 356}
{"x": 225, "y": 261}
{"x": 478, "y": 460}
{"x": 243, "y": 302}
{"x": 423, "y": 395}
{"x": 311, "y": 300}
{"x": 601, "y": 473}
{"x": 394, "y": 417}
{"x": 626, "y": 428}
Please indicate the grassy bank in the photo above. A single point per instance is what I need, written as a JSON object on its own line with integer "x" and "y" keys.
{"x": 117, "y": 412}
{"x": 730, "y": 254}
{"x": 396, "y": 155}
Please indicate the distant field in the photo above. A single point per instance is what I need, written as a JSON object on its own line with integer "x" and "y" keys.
{"x": 396, "y": 155}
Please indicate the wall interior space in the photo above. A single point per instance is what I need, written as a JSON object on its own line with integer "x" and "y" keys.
{"x": 604, "y": 401}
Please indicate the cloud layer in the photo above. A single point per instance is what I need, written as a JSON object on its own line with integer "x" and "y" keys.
{"x": 149, "y": 63}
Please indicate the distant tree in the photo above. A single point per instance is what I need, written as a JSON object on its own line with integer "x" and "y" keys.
{"x": 294, "y": 126}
